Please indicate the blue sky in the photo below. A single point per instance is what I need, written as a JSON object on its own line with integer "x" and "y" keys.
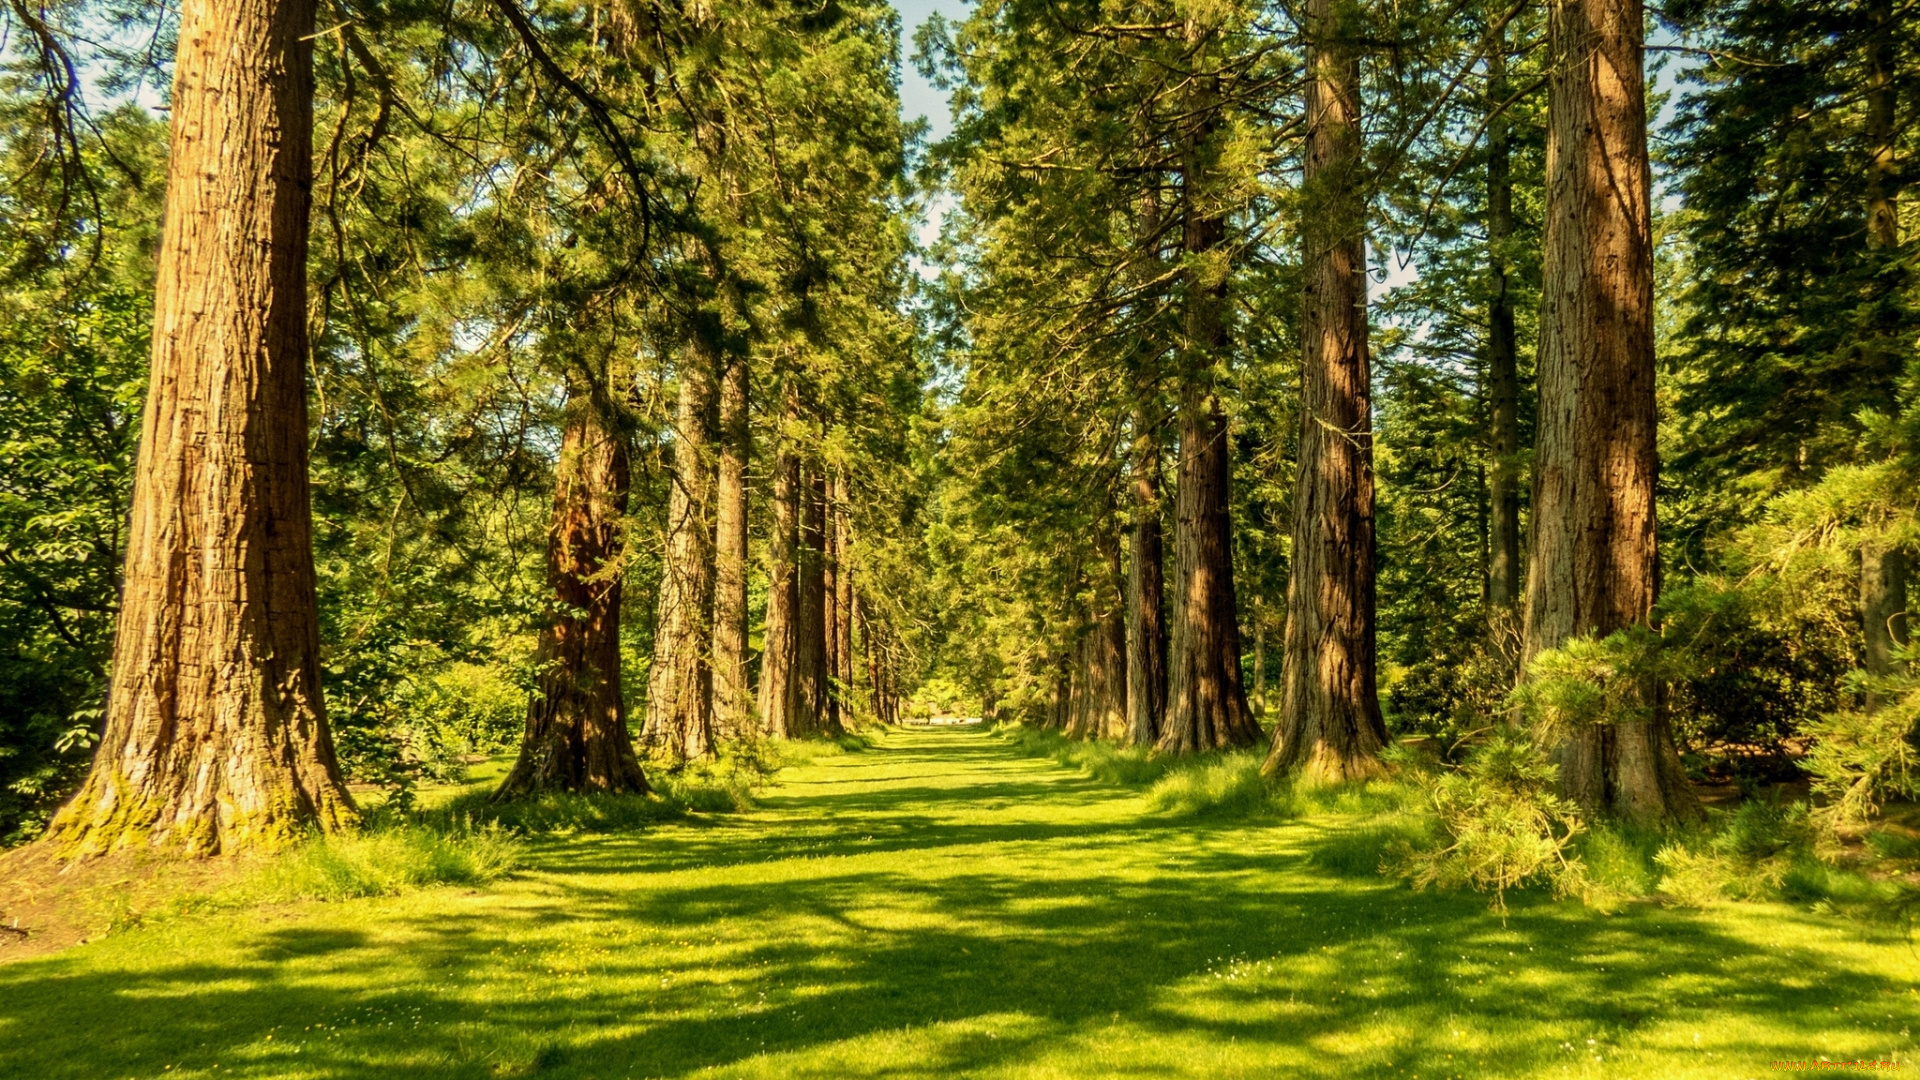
{"x": 917, "y": 98}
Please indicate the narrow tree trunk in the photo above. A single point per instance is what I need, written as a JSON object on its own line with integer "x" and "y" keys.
{"x": 680, "y": 685}
{"x": 830, "y": 605}
{"x": 1259, "y": 658}
{"x": 1593, "y": 568}
{"x": 777, "y": 654}
{"x": 732, "y": 693}
{"x": 1080, "y": 711}
{"x": 1107, "y": 666}
{"x": 1146, "y": 587}
{"x": 216, "y": 735}
{"x": 576, "y": 738}
{"x": 808, "y": 712}
{"x": 841, "y": 628}
{"x": 1503, "y": 377}
{"x": 1883, "y": 571}
{"x": 1330, "y": 729}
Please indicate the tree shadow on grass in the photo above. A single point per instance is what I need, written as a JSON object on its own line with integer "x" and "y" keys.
{"x": 947, "y": 947}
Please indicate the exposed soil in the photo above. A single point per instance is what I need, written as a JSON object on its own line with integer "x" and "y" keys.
{"x": 48, "y": 904}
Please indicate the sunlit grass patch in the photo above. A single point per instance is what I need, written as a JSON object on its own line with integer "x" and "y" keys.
{"x": 383, "y": 862}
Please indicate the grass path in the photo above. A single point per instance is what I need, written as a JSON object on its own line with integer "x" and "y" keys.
{"x": 939, "y": 906}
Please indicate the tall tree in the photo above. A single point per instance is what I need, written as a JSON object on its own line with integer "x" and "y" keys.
{"x": 732, "y": 691}
{"x": 1593, "y": 564}
{"x": 1206, "y": 700}
{"x": 680, "y": 682}
{"x": 1503, "y": 347}
{"x": 1146, "y": 593}
{"x": 1330, "y": 727}
{"x": 216, "y": 736}
{"x": 1883, "y": 569}
{"x": 577, "y": 737}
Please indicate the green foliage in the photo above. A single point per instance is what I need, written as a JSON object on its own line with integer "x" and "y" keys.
{"x": 1860, "y": 758}
{"x": 1504, "y": 826}
{"x": 75, "y": 301}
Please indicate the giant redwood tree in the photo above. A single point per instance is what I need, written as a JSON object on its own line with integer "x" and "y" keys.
{"x": 1592, "y": 567}
{"x": 1206, "y": 701}
{"x": 576, "y": 737}
{"x": 216, "y": 735}
{"x": 1330, "y": 727}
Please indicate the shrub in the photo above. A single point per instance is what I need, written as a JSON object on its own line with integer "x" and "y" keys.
{"x": 1860, "y": 758}
{"x": 1502, "y": 826}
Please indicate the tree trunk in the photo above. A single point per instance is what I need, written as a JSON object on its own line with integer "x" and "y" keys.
{"x": 732, "y": 693}
{"x": 777, "y": 652}
{"x": 1146, "y": 587}
{"x": 680, "y": 686}
{"x": 1593, "y": 565}
{"x": 1206, "y": 701}
{"x": 1883, "y": 571}
{"x": 1330, "y": 729}
{"x": 841, "y": 627}
{"x": 1503, "y": 376}
{"x": 1259, "y": 658}
{"x": 216, "y": 736}
{"x": 1107, "y": 666}
{"x": 811, "y": 706}
{"x": 1883, "y": 609}
{"x": 576, "y": 738}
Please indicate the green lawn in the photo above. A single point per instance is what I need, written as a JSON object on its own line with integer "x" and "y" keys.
{"x": 941, "y": 905}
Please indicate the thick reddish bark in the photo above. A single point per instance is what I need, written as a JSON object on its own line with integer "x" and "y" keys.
{"x": 576, "y": 738}
{"x": 1593, "y": 568}
{"x": 216, "y": 736}
{"x": 1206, "y": 702}
{"x": 679, "y": 721}
{"x": 732, "y": 693}
{"x": 1330, "y": 728}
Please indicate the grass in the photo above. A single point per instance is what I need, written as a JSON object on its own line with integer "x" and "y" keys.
{"x": 942, "y": 903}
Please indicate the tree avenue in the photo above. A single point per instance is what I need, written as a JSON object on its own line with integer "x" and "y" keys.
{"x": 552, "y": 414}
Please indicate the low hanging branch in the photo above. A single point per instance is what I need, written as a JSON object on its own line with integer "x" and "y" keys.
{"x": 597, "y": 111}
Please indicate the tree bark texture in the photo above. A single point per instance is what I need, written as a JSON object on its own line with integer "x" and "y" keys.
{"x": 1146, "y": 593}
{"x": 1503, "y": 374}
{"x": 679, "y": 723}
{"x": 1329, "y": 729}
{"x": 732, "y": 691}
{"x": 216, "y": 736}
{"x": 1593, "y": 565}
{"x": 576, "y": 738}
{"x": 777, "y": 656}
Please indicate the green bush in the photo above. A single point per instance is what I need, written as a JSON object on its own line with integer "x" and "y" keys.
{"x": 1502, "y": 826}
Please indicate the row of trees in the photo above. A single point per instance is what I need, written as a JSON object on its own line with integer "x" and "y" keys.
{"x": 1163, "y": 206}
{"x": 641, "y": 264}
